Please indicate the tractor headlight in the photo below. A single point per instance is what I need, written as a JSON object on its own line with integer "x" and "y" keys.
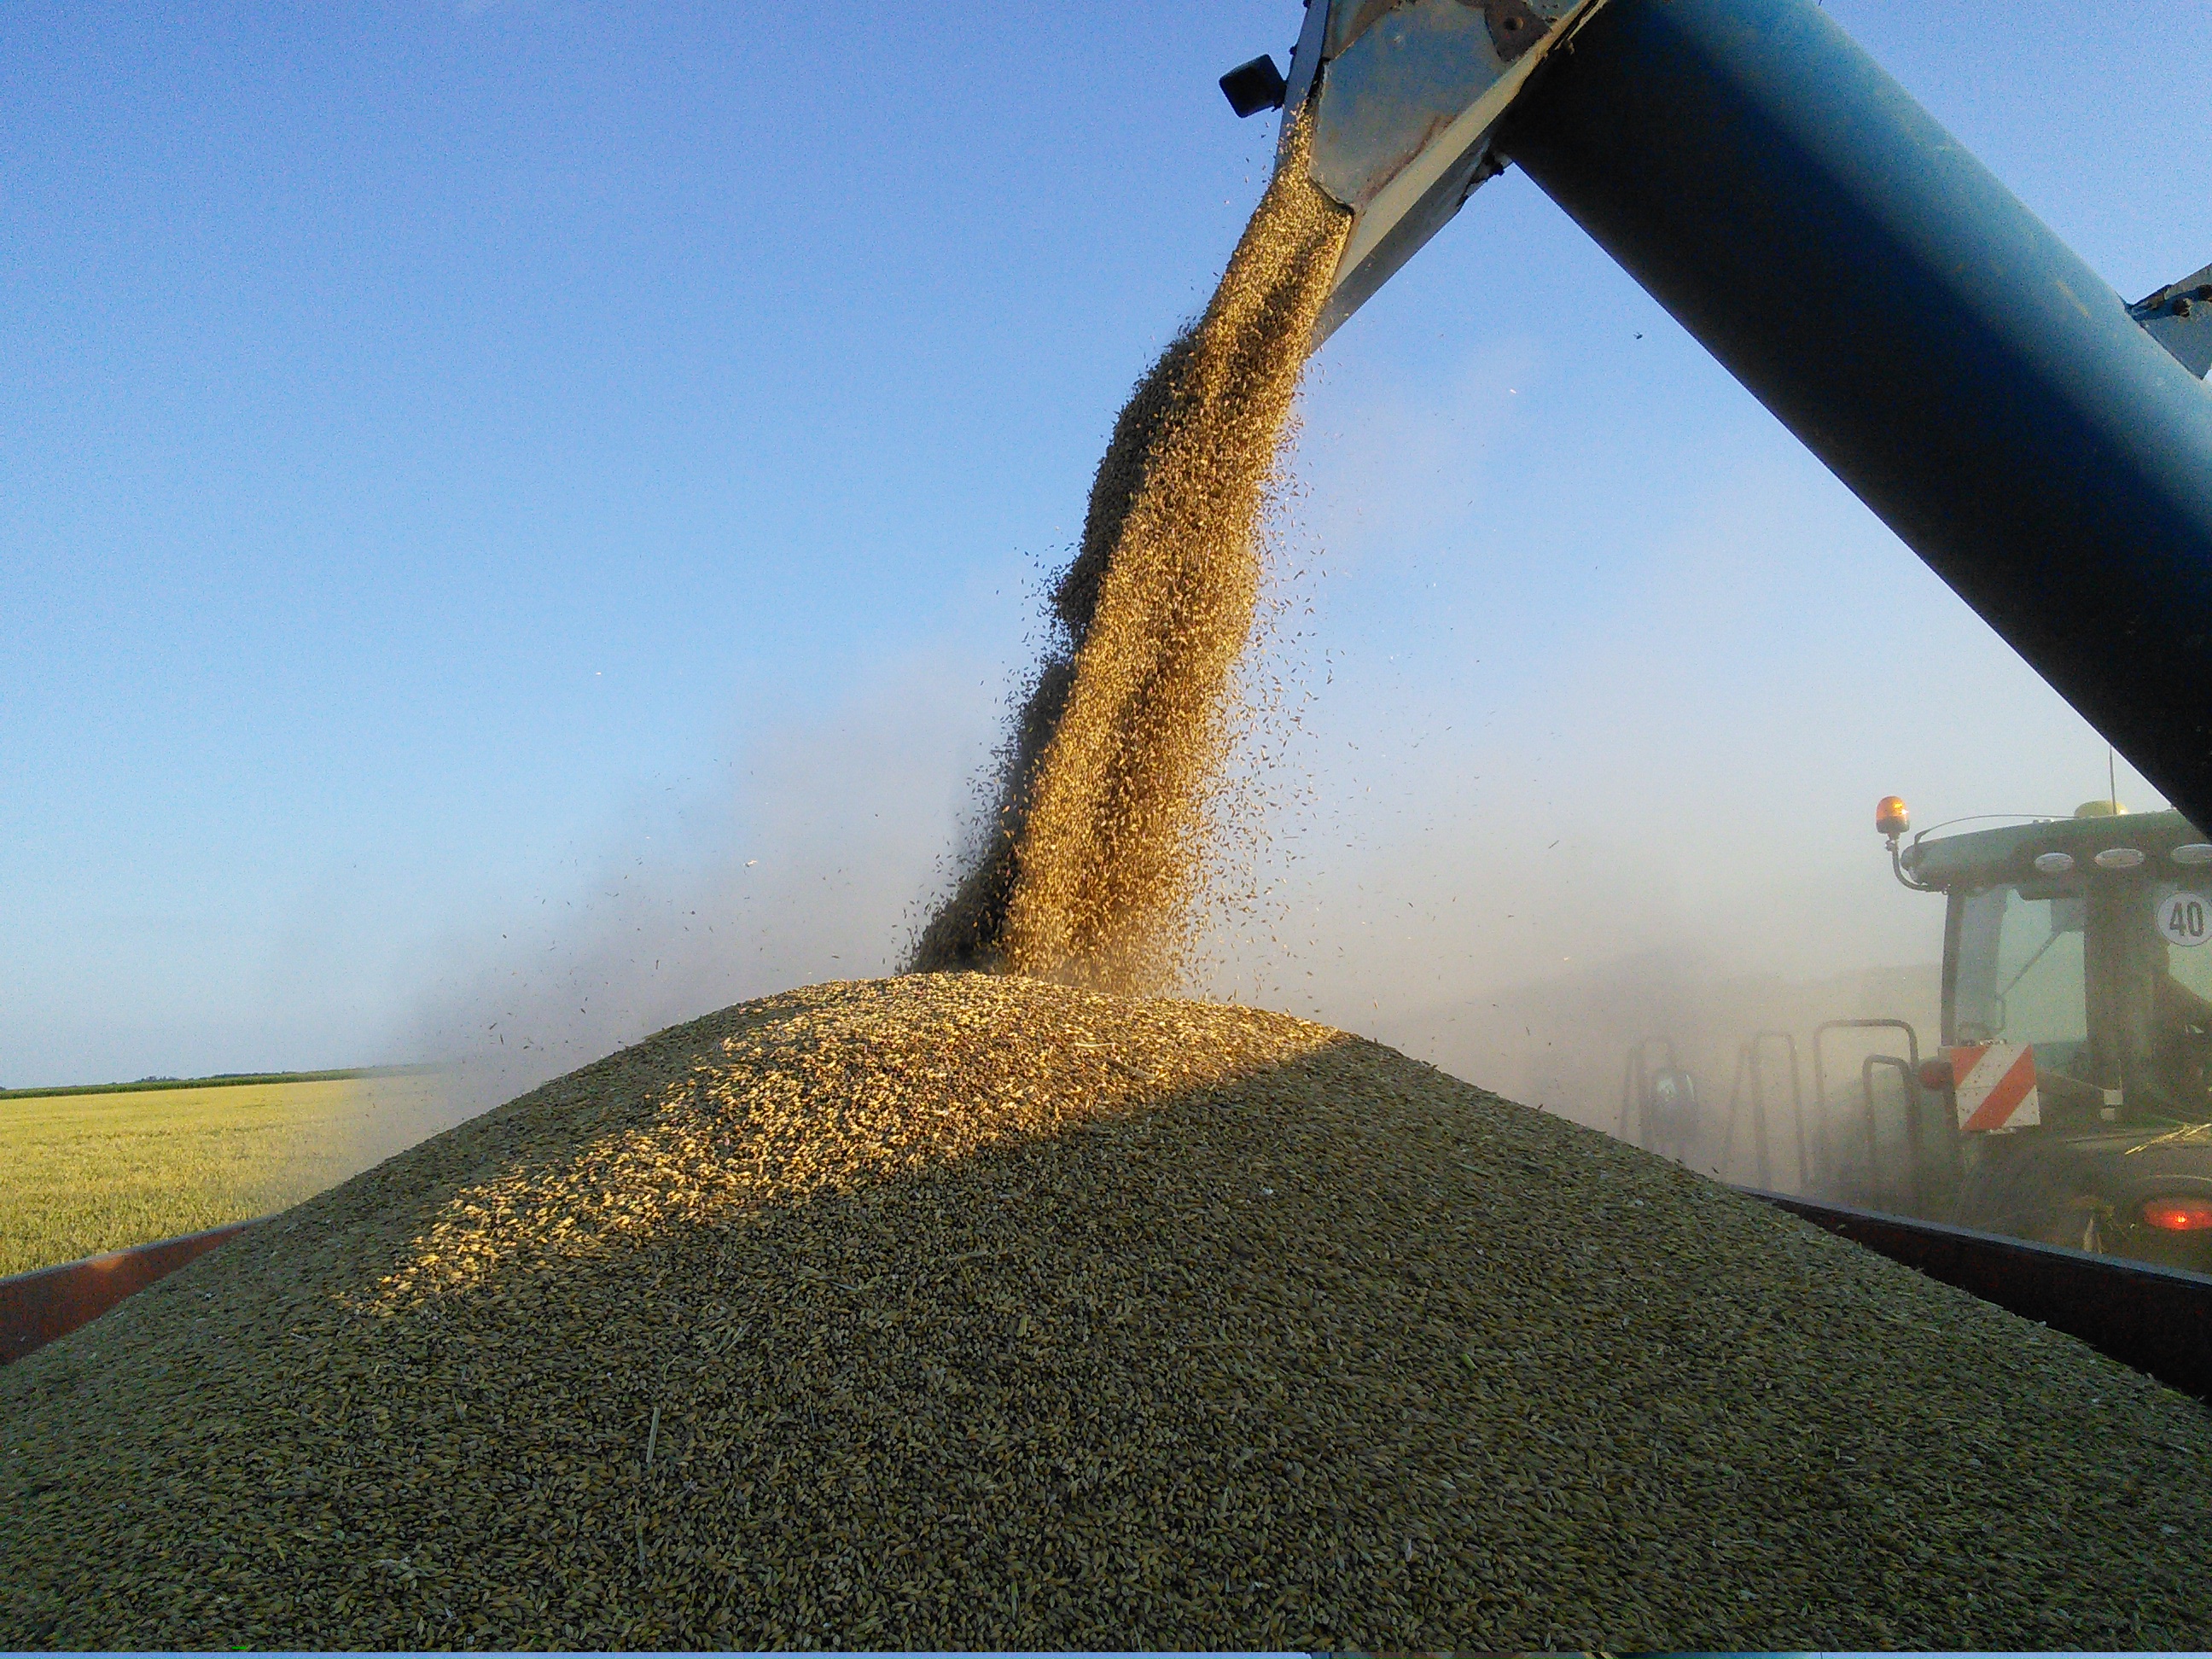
{"x": 2178, "y": 1214}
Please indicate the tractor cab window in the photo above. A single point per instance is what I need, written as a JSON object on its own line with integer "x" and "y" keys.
{"x": 2020, "y": 973}
{"x": 2111, "y": 985}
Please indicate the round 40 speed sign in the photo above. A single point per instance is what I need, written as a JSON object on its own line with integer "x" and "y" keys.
{"x": 2186, "y": 918}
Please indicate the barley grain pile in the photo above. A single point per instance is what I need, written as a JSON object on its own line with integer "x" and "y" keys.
{"x": 1089, "y": 868}
{"x": 966, "y": 1312}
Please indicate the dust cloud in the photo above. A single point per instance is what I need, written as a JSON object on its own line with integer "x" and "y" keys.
{"x": 803, "y": 868}
{"x": 1536, "y": 963}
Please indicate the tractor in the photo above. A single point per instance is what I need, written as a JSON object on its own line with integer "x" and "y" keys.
{"x": 2074, "y": 1080}
{"x": 2069, "y": 1100}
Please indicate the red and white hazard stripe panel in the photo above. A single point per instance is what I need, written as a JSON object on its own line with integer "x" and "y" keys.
{"x": 1995, "y": 1087}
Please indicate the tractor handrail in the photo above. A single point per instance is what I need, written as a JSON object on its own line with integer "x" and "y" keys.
{"x": 1910, "y": 1094}
{"x": 1749, "y": 1083}
{"x": 1820, "y": 1083}
{"x": 1633, "y": 1081}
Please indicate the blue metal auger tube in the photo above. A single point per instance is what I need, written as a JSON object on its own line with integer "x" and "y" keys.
{"x": 1945, "y": 354}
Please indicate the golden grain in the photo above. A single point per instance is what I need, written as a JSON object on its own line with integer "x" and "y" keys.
{"x": 1099, "y": 842}
{"x": 961, "y": 1311}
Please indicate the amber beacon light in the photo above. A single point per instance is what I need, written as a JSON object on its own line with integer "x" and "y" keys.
{"x": 1890, "y": 817}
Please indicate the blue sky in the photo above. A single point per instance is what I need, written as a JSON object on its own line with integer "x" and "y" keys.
{"x": 487, "y": 488}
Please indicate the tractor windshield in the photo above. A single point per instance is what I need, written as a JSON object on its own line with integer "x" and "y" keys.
{"x": 2112, "y": 983}
{"x": 2022, "y": 973}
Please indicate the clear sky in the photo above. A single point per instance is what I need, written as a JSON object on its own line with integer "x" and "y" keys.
{"x": 491, "y": 492}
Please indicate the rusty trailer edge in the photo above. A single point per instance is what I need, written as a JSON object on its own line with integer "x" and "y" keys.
{"x": 47, "y": 1303}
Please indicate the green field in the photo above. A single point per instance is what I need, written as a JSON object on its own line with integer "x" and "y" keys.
{"x": 91, "y": 1170}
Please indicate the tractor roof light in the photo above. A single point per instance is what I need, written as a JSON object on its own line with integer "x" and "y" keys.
{"x": 2194, "y": 852}
{"x": 2053, "y": 864}
{"x": 1892, "y": 820}
{"x": 2118, "y": 857}
{"x": 2178, "y": 1214}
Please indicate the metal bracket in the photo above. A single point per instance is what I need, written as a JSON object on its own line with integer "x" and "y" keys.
{"x": 2179, "y": 318}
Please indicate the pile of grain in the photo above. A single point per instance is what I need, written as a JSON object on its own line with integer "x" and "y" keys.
{"x": 958, "y": 1311}
{"x": 1088, "y": 870}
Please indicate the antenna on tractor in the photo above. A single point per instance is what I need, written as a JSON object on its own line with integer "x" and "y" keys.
{"x": 2112, "y": 784}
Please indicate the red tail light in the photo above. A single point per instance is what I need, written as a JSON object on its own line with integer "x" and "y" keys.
{"x": 2178, "y": 1215}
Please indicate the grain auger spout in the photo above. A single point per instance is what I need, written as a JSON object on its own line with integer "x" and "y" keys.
{"x": 1407, "y": 99}
{"x": 2044, "y": 446}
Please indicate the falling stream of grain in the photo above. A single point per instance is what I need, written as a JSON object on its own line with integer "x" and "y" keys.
{"x": 1094, "y": 857}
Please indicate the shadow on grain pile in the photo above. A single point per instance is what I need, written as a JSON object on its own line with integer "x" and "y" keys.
{"x": 958, "y": 1311}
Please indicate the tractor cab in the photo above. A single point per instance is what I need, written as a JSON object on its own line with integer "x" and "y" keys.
{"x": 2076, "y": 1062}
